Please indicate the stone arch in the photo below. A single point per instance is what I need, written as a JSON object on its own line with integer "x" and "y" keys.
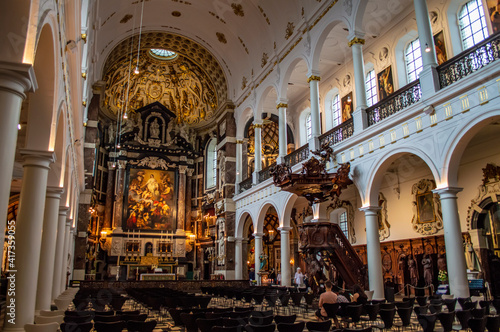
{"x": 320, "y": 40}
{"x": 263, "y": 103}
{"x": 259, "y": 221}
{"x": 359, "y": 8}
{"x": 286, "y": 214}
{"x": 240, "y": 224}
{"x": 459, "y": 142}
{"x": 374, "y": 178}
{"x": 242, "y": 120}
{"x": 41, "y": 128}
{"x": 56, "y": 172}
{"x": 282, "y": 92}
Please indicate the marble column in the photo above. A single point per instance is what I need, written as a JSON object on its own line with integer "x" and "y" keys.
{"x": 110, "y": 195}
{"x": 258, "y": 152}
{"x": 118, "y": 217}
{"x": 28, "y": 238}
{"x": 258, "y": 252}
{"x": 61, "y": 226}
{"x": 15, "y": 81}
{"x": 239, "y": 162}
{"x": 189, "y": 185}
{"x": 374, "y": 256}
{"x": 64, "y": 268}
{"x": 360, "y": 121}
{"x": 313, "y": 81}
{"x": 181, "y": 201}
{"x": 286, "y": 269}
{"x": 282, "y": 131}
{"x": 455, "y": 258}
{"x": 238, "y": 258}
{"x": 429, "y": 78}
{"x": 48, "y": 249}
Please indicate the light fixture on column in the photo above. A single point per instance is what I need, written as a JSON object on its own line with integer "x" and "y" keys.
{"x": 18, "y": 126}
{"x": 125, "y": 115}
{"x": 271, "y": 235}
{"x": 118, "y": 146}
{"x": 427, "y": 48}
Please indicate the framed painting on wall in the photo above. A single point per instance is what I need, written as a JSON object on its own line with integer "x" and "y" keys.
{"x": 494, "y": 12}
{"x": 440, "y": 47}
{"x": 151, "y": 200}
{"x": 347, "y": 107}
{"x": 385, "y": 83}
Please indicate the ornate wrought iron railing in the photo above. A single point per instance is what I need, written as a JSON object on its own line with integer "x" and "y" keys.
{"x": 338, "y": 133}
{"x": 404, "y": 97}
{"x": 266, "y": 173}
{"x": 246, "y": 184}
{"x": 469, "y": 61}
{"x": 297, "y": 156}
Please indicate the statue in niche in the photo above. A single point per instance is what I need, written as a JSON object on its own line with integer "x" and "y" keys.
{"x": 155, "y": 129}
{"x": 412, "y": 267}
{"x": 427, "y": 263}
{"x": 221, "y": 245}
{"x": 170, "y": 129}
{"x": 111, "y": 133}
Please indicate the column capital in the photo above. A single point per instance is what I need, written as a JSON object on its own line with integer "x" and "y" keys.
{"x": 313, "y": 78}
{"x": 63, "y": 211}
{"x": 285, "y": 229}
{"x": 258, "y": 235}
{"x": 370, "y": 210}
{"x": 182, "y": 169}
{"x": 257, "y": 125}
{"x": 54, "y": 192}
{"x": 69, "y": 222}
{"x": 122, "y": 164}
{"x": 281, "y": 105}
{"x": 240, "y": 141}
{"x": 111, "y": 165}
{"x": 37, "y": 158}
{"x": 190, "y": 171}
{"x": 447, "y": 192}
{"x": 18, "y": 78}
{"x": 238, "y": 239}
{"x": 356, "y": 40}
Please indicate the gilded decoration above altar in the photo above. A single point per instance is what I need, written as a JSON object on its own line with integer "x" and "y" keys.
{"x": 177, "y": 83}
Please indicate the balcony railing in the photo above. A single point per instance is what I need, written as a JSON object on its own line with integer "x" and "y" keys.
{"x": 469, "y": 61}
{"x": 399, "y": 100}
{"x": 266, "y": 173}
{"x": 297, "y": 156}
{"x": 338, "y": 133}
{"x": 246, "y": 184}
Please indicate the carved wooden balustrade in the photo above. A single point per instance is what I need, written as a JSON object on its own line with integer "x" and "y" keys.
{"x": 337, "y": 134}
{"x": 469, "y": 61}
{"x": 326, "y": 240}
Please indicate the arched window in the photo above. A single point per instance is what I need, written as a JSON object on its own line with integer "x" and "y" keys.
{"x": 308, "y": 126}
{"x": 413, "y": 59}
{"x": 343, "y": 224}
{"x": 336, "y": 114}
{"x": 211, "y": 169}
{"x": 472, "y": 24}
{"x": 371, "y": 88}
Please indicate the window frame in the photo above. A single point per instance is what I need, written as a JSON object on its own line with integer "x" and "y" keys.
{"x": 211, "y": 164}
{"x": 417, "y": 69}
{"x": 462, "y": 26}
{"x": 371, "y": 88}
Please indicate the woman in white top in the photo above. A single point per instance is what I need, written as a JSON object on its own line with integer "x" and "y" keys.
{"x": 299, "y": 278}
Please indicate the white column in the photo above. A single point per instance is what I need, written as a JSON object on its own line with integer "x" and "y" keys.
{"x": 359, "y": 117}
{"x": 61, "y": 227}
{"x": 28, "y": 237}
{"x": 429, "y": 79}
{"x": 239, "y": 163}
{"x": 258, "y": 152}
{"x": 455, "y": 259}
{"x": 282, "y": 131}
{"x": 313, "y": 81}
{"x": 48, "y": 249}
{"x": 258, "y": 252}
{"x": 374, "y": 257}
{"x": 64, "y": 267}
{"x": 320, "y": 212}
{"x": 15, "y": 80}
{"x": 286, "y": 269}
{"x": 238, "y": 258}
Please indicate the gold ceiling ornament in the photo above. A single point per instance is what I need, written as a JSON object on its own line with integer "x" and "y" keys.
{"x": 265, "y": 57}
{"x": 178, "y": 84}
{"x": 356, "y": 40}
{"x": 238, "y": 9}
{"x": 243, "y": 83}
{"x": 221, "y": 37}
{"x": 289, "y": 30}
{"x": 313, "y": 78}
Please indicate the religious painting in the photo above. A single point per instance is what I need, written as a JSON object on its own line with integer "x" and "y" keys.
{"x": 427, "y": 216}
{"x": 385, "y": 83}
{"x": 494, "y": 12}
{"x": 440, "y": 47}
{"x": 151, "y": 200}
{"x": 347, "y": 107}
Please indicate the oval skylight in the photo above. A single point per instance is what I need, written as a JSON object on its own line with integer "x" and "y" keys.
{"x": 162, "y": 54}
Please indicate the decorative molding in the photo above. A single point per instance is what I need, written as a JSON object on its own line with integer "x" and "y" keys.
{"x": 488, "y": 190}
{"x": 427, "y": 218}
{"x": 238, "y": 9}
{"x": 356, "y": 40}
{"x": 281, "y": 105}
{"x": 290, "y": 28}
{"x": 240, "y": 141}
{"x": 153, "y": 163}
{"x": 258, "y": 125}
{"x": 265, "y": 57}
{"x": 221, "y": 37}
{"x": 313, "y": 78}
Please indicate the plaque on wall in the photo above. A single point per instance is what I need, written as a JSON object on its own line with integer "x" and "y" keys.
{"x": 151, "y": 200}
{"x": 427, "y": 218}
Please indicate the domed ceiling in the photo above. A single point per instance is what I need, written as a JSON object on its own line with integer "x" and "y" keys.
{"x": 170, "y": 69}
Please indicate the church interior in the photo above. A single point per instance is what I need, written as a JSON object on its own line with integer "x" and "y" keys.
{"x": 247, "y": 152}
